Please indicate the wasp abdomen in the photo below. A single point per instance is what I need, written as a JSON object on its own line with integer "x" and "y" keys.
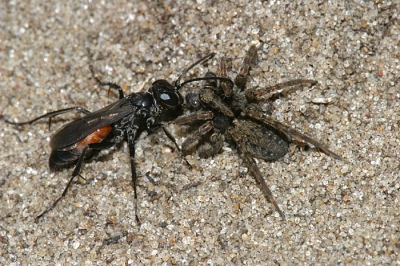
{"x": 69, "y": 154}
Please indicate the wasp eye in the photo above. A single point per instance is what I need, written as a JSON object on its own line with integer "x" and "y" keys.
{"x": 166, "y": 95}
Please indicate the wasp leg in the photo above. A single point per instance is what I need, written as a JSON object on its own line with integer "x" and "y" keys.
{"x": 131, "y": 136}
{"x": 49, "y": 115}
{"x": 169, "y": 135}
{"x": 95, "y": 146}
{"x": 112, "y": 85}
{"x": 172, "y": 138}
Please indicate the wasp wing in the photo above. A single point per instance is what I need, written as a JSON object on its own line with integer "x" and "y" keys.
{"x": 82, "y": 127}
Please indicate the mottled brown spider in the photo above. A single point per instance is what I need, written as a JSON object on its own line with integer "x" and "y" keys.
{"x": 232, "y": 114}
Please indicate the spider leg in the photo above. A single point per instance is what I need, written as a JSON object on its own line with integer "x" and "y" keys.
{"x": 251, "y": 163}
{"x": 226, "y": 87}
{"x": 216, "y": 140}
{"x": 193, "y": 140}
{"x": 254, "y": 112}
{"x": 211, "y": 147}
{"x": 199, "y": 116}
{"x": 250, "y": 60}
{"x": 208, "y": 97}
{"x": 263, "y": 94}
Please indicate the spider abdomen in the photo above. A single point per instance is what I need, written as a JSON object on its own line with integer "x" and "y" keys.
{"x": 259, "y": 140}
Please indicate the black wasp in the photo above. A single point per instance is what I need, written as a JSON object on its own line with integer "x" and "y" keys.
{"x": 123, "y": 119}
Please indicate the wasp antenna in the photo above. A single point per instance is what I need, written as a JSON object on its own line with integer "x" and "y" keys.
{"x": 201, "y": 60}
{"x": 222, "y": 79}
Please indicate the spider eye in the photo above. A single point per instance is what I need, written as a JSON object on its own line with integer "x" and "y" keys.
{"x": 166, "y": 95}
{"x": 193, "y": 99}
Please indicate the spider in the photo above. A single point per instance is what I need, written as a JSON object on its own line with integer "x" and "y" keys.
{"x": 232, "y": 114}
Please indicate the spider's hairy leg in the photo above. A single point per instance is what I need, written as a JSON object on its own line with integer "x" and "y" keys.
{"x": 211, "y": 147}
{"x": 199, "y": 116}
{"x": 193, "y": 140}
{"x": 253, "y": 111}
{"x": 250, "y": 60}
{"x": 252, "y": 165}
{"x": 209, "y": 98}
{"x": 226, "y": 87}
{"x": 263, "y": 94}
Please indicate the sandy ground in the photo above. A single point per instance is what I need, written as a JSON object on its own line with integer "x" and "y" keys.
{"x": 338, "y": 211}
